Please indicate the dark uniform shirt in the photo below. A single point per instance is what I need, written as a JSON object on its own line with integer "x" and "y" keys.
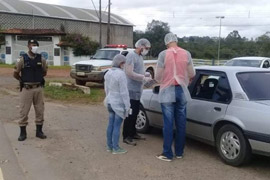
{"x": 20, "y": 65}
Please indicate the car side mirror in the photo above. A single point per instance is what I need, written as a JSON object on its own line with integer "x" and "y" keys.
{"x": 156, "y": 89}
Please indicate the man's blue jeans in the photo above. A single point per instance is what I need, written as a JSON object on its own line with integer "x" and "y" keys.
{"x": 175, "y": 111}
{"x": 113, "y": 129}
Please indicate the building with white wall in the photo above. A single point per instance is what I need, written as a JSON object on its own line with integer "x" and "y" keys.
{"x": 48, "y": 23}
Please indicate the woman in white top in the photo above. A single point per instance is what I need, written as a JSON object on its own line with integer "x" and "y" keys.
{"x": 117, "y": 102}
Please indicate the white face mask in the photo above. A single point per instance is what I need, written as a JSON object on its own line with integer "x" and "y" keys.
{"x": 34, "y": 49}
{"x": 144, "y": 52}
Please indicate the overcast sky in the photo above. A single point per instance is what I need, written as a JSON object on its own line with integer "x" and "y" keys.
{"x": 189, "y": 17}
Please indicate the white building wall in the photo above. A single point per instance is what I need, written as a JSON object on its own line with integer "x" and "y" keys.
{"x": 3, "y": 54}
{"x": 57, "y": 61}
{"x": 9, "y": 49}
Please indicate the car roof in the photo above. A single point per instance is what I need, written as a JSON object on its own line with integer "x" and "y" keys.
{"x": 250, "y": 58}
{"x": 120, "y": 49}
{"x": 232, "y": 69}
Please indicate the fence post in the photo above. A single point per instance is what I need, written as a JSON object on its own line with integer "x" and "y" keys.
{"x": 213, "y": 62}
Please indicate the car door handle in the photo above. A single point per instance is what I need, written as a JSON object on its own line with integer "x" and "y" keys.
{"x": 217, "y": 108}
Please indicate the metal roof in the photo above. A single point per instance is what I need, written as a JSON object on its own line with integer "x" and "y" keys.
{"x": 56, "y": 11}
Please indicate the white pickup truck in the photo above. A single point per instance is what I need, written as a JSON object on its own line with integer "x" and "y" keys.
{"x": 94, "y": 69}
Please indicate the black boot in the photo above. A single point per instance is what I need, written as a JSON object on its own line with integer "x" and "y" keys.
{"x": 39, "y": 132}
{"x": 23, "y": 134}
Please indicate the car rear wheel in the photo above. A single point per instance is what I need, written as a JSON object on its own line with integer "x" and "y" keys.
{"x": 142, "y": 122}
{"x": 80, "y": 82}
{"x": 232, "y": 146}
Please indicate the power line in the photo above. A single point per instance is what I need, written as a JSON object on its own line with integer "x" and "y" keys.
{"x": 95, "y": 9}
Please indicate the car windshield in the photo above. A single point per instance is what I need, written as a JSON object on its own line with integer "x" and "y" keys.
{"x": 244, "y": 62}
{"x": 105, "y": 54}
{"x": 255, "y": 84}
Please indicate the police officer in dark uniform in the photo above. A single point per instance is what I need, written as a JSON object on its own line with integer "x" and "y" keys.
{"x": 30, "y": 70}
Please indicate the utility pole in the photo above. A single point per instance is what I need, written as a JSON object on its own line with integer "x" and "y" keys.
{"x": 100, "y": 25}
{"x": 219, "y": 17}
{"x": 109, "y": 23}
{"x": 33, "y": 20}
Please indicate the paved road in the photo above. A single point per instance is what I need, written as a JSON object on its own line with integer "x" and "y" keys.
{"x": 76, "y": 149}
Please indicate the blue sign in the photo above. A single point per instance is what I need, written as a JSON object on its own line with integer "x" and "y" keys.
{"x": 45, "y": 55}
{"x": 66, "y": 58}
{"x": 3, "y": 56}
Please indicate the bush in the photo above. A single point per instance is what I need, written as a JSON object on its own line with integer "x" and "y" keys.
{"x": 82, "y": 45}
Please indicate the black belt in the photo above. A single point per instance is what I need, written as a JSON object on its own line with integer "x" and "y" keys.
{"x": 31, "y": 86}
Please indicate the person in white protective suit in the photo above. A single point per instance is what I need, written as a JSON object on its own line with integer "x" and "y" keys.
{"x": 136, "y": 77}
{"x": 174, "y": 72}
{"x": 117, "y": 102}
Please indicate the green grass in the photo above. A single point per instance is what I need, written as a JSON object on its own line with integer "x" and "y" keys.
{"x": 7, "y": 65}
{"x": 65, "y": 94}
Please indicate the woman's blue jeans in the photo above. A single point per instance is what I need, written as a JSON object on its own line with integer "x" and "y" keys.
{"x": 174, "y": 111}
{"x": 113, "y": 129}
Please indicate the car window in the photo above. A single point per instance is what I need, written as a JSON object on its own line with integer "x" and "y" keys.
{"x": 255, "y": 84}
{"x": 266, "y": 64}
{"x": 229, "y": 63}
{"x": 244, "y": 62}
{"x": 124, "y": 53}
{"x": 105, "y": 54}
{"x": 212, "y": 88}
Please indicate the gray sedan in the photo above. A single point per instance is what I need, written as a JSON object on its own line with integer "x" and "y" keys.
{"x": 228, "y": 107}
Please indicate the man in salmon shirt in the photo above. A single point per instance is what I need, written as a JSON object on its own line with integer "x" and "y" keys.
{"x": 174, "y": 72}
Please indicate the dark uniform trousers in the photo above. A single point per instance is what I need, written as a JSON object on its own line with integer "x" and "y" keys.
{"x": 27, "y": 98}
{"x": 129, "y": 129}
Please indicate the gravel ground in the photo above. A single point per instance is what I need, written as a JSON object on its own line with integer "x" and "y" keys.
{"x": 76, "y": 148}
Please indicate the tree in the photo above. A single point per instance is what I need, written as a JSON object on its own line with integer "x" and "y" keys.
{"x": 82, "y": 45}
{"x": 206, "y": 47}
{"x": 2, "y": 37}
{"x": 263, "y": 43}
{"x": 137, "y": 35}
{"x": 156, "y": 24}
{"x": 233, "y": 35}
{"x": 155, "y": 33}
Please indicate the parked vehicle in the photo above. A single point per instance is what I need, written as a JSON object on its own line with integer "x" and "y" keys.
{"x": 229, "y": 107}
{"x": 94, "y": 69}
{"x": 260, "y": 62}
